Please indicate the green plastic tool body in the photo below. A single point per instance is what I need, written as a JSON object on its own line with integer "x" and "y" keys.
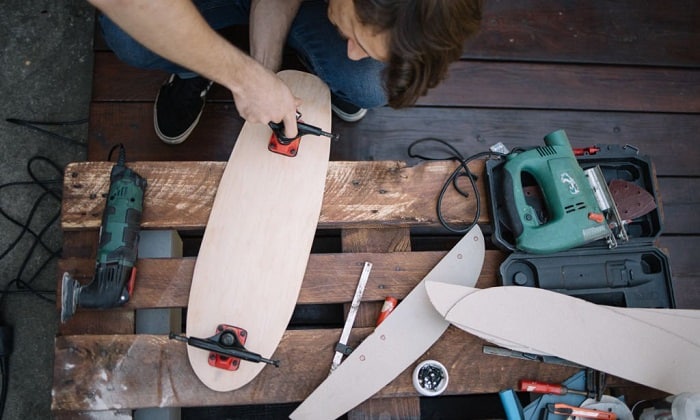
{"x": 113, "y": 282}
{"x": 569, "y": 203}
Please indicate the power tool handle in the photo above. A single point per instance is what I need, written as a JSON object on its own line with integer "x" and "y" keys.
{"x": 510, "y": 204}
{"x": 541, "y": 387}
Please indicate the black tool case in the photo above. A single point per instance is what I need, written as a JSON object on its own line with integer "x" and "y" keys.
{"x": 634, "y": 274}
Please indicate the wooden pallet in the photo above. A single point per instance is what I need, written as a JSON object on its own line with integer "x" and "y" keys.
{"x": 612, "y": 73}
{"x": 101, "y": 364}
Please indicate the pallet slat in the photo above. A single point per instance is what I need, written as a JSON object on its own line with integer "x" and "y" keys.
{"x": 329, "y": 278}
{"x": 358, "y": 194}
{"x": 361, "y": 194}
{"x": 137, "y": 371}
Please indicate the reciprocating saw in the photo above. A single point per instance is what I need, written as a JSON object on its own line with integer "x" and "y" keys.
{"x": 115, "y": 270}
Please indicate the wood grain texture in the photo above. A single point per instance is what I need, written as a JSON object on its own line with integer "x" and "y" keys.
{"x": 329, "y": 278}
{"x": 490, "y": 84}
{"x": 357, "y": 194}
{"x": 258, "y": 238}
{"x": 621, "y": 32}
{"x": 136, "y": 371}
{"x": 567, "y": 86}
{"x": 385, "y": 133}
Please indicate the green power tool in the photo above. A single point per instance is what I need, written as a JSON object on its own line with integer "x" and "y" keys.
{"x": 571, "y": 215}
{"x": 115, "y": 270}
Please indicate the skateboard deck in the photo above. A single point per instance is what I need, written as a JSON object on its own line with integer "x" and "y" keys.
{"x": 445, "y": 296}
{"x": 657, "y": 348}
{"x": 258, "y": 238}
{"x": 398, "y": 341}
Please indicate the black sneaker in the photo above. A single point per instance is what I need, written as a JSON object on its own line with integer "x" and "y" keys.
{"x": 178, "y": 106}
{"x": 345, "y": 110}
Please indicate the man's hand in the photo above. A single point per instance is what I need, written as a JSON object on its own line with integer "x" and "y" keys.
{"x": 264, "y": 98}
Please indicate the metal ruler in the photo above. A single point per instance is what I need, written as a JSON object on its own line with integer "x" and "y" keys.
{"x": 342, "y": 349}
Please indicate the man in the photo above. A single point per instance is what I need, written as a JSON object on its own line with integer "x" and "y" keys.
{"x": 369, "y": 52}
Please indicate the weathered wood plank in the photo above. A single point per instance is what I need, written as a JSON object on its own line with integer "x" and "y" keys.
{"x": 480, "y": 83}
{"x": 567, "y": 86}
{"x": 358, "y": 194}
{"x": 385, "y": 133}
{"x": 97, "y": 322}
{"x": 329, "y": 278}
{"x": 685, "y": 268}
{"x": 361, "y": 194}
{"x": 681, "y": 205}
{"x": 136, "y": 371}
{"x": 332, "y": 277}
{"x": 376, "y": 240}
{"x": 621, "y": 32}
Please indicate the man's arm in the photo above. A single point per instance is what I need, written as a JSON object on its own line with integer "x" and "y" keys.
{"x": 176, "y": 31}
{"x": 270, "y": 21}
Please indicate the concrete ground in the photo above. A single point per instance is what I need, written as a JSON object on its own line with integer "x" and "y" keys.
{"x": 45, "y": 74}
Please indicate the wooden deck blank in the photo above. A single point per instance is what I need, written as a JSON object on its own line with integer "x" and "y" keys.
{"x": 607, "y": 339}
{"x": 258, "y": 238}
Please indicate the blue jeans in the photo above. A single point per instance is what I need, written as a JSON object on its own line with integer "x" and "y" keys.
{"x": 312, "y": 36}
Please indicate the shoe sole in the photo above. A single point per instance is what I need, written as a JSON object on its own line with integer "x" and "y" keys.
{"x": 349, "y": 117}
{"x": 173, "y": 140}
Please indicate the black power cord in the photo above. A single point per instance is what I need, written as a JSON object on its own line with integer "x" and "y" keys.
{"x": 461, "y": 171}
{"x": 51, "y": 191}
{"x": 37, "y": 126}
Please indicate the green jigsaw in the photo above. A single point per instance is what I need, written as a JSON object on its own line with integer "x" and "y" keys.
{"x": 571, "y": 215}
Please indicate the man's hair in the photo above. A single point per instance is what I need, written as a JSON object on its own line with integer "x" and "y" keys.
{"x": 425, "y": 36}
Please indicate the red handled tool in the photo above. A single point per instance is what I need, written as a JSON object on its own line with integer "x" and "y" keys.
{"x": 561, "y": 409}
{"x": 582, "y": 151}
{"x": 289, "y": 147}
{"x": 387, "y": 308}
{"x": 546, "y": 388}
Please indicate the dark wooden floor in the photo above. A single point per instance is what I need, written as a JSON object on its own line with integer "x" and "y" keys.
{"x": 608, "y": 72}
